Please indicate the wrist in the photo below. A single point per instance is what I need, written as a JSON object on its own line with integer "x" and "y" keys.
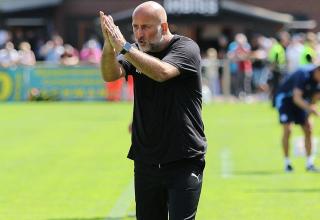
{"x": 310, "y": 109}
{"x": 108, "y": 50}
{"x": 126, "y": 47}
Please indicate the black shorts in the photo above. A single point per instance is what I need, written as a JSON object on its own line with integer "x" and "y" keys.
{"x": 172, "y": 189}
{"x": 289, "y": 112}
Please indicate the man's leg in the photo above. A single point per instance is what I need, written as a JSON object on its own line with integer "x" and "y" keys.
{"x": 307, "y": 130}
{"x": 184, "y": 186}
{"x": 150, "y": 194}
{"x": 285, "y": 145}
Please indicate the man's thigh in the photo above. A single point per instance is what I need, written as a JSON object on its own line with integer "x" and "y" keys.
{"x": 184, "y": 192}
{"x": 300, "y": 116}
{"x": 150, "y": 194}
{"x": 286, "y": 113}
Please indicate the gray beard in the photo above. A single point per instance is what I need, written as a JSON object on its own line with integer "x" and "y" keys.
{"x": 156, "y": 47}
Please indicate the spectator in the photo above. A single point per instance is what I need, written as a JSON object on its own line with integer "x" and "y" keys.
{"x": 211, "y": 78}
{"x": 294, "y": 52}
{"x": 259, "y": 64}
{"x": 52, "y": 50}
{"x": 8, "y": 56}
{"x": 70, "y": 56}
{"x": 222, "y": 49}
{"x": 239, "y": 51}
{"x": 277, "y": 59}
{"x": 309, "y": 55}
{"x": 26, "y": 55}
{"x": 91, "y": 52}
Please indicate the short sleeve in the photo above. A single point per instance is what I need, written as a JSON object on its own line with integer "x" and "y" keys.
{"x": 184, "y": 55}
{"x": 128, "y": 67}
{"x": 299, "y": 80}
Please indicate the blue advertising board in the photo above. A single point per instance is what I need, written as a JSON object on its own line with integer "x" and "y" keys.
{"x": 78, "y": 83}
{"x": 12, "y": 86}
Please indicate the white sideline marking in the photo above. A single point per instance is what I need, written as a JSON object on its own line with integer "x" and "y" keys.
{"x": 299, "y": 149}
{"x": 120, "y": 208}
{"x": 226, "y": 163}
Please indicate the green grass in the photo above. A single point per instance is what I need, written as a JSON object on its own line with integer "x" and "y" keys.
{"x": 67, "y": 161}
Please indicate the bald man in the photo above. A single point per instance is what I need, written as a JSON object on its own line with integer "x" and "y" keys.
{"x": 168, "y": 141}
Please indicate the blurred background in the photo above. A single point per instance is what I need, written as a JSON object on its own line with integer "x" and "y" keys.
{"x": 247, "y": 46}
{"x": 66, "y": 159}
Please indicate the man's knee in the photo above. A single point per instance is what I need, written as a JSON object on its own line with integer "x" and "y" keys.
{"x": 307, "y": 129}
{"x": 287, "y": 130}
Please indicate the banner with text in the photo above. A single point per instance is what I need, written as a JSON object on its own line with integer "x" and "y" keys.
{"x": 79, "y": 83}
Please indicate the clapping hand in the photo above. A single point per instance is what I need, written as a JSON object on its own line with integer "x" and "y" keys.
{"x": 111, "y": 32}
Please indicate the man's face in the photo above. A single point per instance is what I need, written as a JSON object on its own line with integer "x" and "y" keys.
{"x": 147, "y": 32}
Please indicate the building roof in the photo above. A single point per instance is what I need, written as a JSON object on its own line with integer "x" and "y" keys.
{"x": 7, "y": 6}
{"x": 233, "y": 7}
{"x": 247, "y": 10}
{"x": 307, "y": 25}
{"x": 254, "y": 11}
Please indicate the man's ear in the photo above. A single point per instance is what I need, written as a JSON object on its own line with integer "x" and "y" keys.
{"x": 164, "y": 28}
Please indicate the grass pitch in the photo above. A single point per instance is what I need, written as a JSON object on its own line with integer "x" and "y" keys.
{"x": 67, "y": 161}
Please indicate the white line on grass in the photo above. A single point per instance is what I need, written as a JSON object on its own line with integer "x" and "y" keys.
{"x": 120, "y": 208}
{"x": 226, "y": 163}
{"x": 299, "y": 149}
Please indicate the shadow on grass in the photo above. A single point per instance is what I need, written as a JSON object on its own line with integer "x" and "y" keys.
{"x": 256, "y": 173}
{"x": 311, "y": 190}
{"x": 83, "y": 218}
{"x": 97, "y": 218}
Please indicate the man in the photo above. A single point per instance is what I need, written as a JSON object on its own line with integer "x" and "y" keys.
{"x": 277, "y": 59}
{"x": 295, "y": 101}
{"x": 168, "y": 141}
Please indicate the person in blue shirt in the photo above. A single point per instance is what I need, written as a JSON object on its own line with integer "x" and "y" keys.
{"x": 295, "y": 100}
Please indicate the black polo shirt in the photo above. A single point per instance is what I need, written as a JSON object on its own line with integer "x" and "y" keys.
{"x": 167, "y": 124}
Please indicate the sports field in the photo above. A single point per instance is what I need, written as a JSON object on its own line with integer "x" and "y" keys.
{"x": 67, "y": 161}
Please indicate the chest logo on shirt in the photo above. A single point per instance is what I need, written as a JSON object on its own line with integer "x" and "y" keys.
{"x": 137, "y": 71}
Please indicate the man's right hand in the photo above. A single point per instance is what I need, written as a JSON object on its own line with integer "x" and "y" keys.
{"x": 110, "y": 68}
{"x": 107, "y": 45}
{"x": 313, "y": 110}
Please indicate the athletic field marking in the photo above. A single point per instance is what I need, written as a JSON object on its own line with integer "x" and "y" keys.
{"x": 226, "y": 163}
{"x": 299, "y": 149}
{"x": 120, "y": 208}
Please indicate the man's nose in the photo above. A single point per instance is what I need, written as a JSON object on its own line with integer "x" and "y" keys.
{"x": 140, "y": 33}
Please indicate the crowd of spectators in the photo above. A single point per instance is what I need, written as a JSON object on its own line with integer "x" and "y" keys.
{"x": 9, "y": 56}
{"x": 257, "y": 64}
{"x": 53, "y": 51}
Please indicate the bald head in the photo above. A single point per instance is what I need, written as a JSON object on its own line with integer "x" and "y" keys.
{"x": 150, "y": 27}
{"x": 152, "y": 10}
